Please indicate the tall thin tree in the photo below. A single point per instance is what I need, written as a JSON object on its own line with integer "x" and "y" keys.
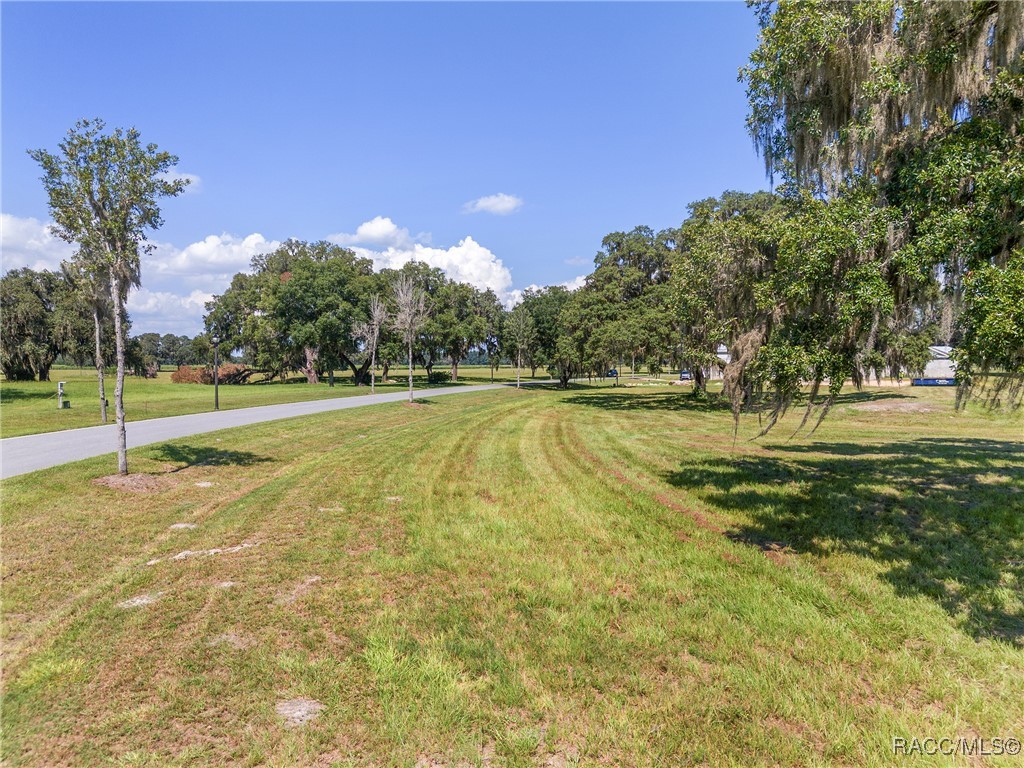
{"x": 91, "y": 283}
{"x": 103, "y": 190}
{"x": 411, "y": 313}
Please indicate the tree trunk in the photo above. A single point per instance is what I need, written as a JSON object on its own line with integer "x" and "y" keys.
{"x": 385, "y": 367}
{"x": 632, "y": 367}
{"x": 99, "y": 365}
{"x": 455, "y": 369}
{"x": 533, "y": 371}
{"x": 373, "y": 371}
{"x": 330, "y": 377}
{"x": 700, "y": 384}
{"x": 44, "y": 373}
{"x": 122, "y": 439}
{"x": 310, "y": 368}
{"x": 410, "y": 369}
{"x": 519, "y": 365}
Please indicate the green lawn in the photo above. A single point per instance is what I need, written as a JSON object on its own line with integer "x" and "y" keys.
{"x": 532, "y": 577}
{"x": 30, "y": 407}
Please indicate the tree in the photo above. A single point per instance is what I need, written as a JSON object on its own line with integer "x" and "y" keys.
{"x": 544, "y": 306}
{"x": 461, "y": 320}
{"x": 914, "y": 109}
{"x": 837, "y": 89}
{"x": 410, "y": 314}
{"x": 91, "y": 288}
{"x": 28, "y": 341}
{"x": 370, "y": 333}
{"x": 103, "y": 191}
{"x": 522, "y": 334}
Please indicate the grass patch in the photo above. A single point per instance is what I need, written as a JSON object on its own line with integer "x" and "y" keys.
{"x": 522, "y": 578}
{"x": 30, "y": 407}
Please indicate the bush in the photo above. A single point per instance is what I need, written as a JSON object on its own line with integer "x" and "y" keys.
{"x": 229, "y": 373}
{"x": 439, "y": 377}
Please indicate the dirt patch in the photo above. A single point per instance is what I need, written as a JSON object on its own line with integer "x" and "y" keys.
{"x": 299, "y": 591}
{"x": 226, "y": 584}
{"x": 298, "y": 712}
{"x": 204, "y": 484}
{"x": 206, "y": 552}
{"x": 394, "y": 499}
{"x": 140, "y": 600}
{"x": 896, "y": 406}
{"x": 185, "y": 526}
{"x": 135, "y": 483}
{"x": 232, "y": 639}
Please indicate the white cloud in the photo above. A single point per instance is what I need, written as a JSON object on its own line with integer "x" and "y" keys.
{"x": 214, "y": 256}
{"x": 577, "y": 282}
{"x": 195, "y": 184}
{"x": 166, "y": 312}
{"x": 391, "y": 246}
{"x": 379, "y": 231}
{"x": 578, "y": 261}
{"x": 28, "y": 243}
{"x": 500, "y": 204}
{"x": 516, "y": 296}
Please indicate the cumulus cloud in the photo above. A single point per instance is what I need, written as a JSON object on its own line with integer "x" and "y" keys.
{"x": 28, "y": 243}
{"x": 500, "y": 204}
{"x": 516, "y": 296}
{"x": 167, "y": 312}
{"x": 577, "y": 282}
{"x": 215, "y": 255}
{"x": 391, "y": 246}
{"x": 379, "y": 231}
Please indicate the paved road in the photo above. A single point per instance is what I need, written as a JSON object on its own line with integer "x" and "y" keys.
{"x": 19, "y": 455}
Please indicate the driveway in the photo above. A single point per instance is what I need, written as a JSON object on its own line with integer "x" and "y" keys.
{"x": 19, "y": 455}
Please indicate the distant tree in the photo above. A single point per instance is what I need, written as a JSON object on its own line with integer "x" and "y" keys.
{"x": 28, "y": 343}
{"x": 544, "y": 306}
{"x": 522, "y": 334}
{"x": 460, "y": 315}
{"x": 103, "y": 191}
{"x": 370, "y": 332}
{"x": 91, "y": 289}
{"x": 410, "y": 314}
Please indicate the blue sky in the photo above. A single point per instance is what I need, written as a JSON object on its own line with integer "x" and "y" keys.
{"x": 378, "y": 125}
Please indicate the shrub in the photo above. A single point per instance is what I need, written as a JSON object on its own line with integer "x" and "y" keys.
{"x": 229, "y": 373}
{"x": 439, "y": 377}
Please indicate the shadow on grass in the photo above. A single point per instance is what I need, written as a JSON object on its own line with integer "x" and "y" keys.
{"x": 643, "y": 401}
{"x": 684, "y": 400}
{"x": 189, "y": 456}
{"x": 10, "y": 393}
{"x": 943, "y": 517}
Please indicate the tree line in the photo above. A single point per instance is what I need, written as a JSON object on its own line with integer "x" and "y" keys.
{"x": 48, "y": 318}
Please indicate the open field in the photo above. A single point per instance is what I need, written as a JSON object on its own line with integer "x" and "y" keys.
{"x": 598, "y": 576}
{"x": 30, "y": 407}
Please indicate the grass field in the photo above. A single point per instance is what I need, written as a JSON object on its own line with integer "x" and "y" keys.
{"x": 593, "y": 577}
{"x": 30, "y": 407}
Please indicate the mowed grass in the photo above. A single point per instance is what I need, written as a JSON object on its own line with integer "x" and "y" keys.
{"x": 30, "y": 407}
{"x": 599, "y": 576}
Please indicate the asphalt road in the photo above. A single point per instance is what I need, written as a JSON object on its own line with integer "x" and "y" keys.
{"x": 19, "y": 455}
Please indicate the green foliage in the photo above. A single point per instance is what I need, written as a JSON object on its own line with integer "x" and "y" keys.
{"x": 28, "y": 336}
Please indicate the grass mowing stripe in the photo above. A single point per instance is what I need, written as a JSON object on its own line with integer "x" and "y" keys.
{"x": 517, "y": 602}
